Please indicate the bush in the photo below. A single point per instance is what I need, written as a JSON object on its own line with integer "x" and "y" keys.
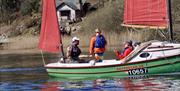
{"x": 29, "y": 6}
{"x": 7, "y": 9}
{"x": 107, "y": 18}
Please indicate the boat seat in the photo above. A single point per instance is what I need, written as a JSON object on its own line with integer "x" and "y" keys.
{"x": 137, "y": 50}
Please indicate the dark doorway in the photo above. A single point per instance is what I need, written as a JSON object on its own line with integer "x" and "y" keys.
{"x": 66, "y": 13}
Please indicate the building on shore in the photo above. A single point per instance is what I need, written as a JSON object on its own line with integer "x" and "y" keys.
{"x": 69, "y": 10}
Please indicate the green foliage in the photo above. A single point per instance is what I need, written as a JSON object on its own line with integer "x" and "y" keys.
{"x": 29, "y": 6}
{"x": 11, "y": 9}
{"x": 107, "y": 18}
{"x": 7, "y": 8}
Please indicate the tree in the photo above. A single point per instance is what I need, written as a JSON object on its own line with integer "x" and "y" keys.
{"x": 8, "y": 7}
{"x": 29, "y": 6}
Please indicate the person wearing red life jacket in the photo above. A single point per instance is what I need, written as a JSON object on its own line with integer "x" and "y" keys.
{"x": 128, "y": 48}
{"x": 97, "y": 45}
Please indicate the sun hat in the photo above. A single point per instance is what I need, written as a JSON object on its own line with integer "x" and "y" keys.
{"x": 75, "y": 38}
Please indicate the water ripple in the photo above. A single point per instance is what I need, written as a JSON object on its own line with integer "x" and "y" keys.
{"x": 21, "y": 69}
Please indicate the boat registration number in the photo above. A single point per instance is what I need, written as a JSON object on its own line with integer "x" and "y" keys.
{"x": 138, "y": 71}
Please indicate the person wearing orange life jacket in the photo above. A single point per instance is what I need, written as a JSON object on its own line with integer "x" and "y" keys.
{"x": 128, "y": 48}
{"x": 97, "y": 45}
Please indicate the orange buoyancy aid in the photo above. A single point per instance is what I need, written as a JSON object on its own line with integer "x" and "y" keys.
{"x": 92, "y": 48}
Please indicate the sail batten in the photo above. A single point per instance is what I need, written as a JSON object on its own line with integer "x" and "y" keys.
{"x": 146, "y": 13}
{"x": 143, "y": 26}
{"x": 50, "y": 38}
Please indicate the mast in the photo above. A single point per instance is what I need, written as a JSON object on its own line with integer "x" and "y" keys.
{"x": 170, "y": 21}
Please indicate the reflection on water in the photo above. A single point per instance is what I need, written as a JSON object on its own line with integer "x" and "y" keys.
{"x": 150, "y": 84}
{"x": 26, "y": 73}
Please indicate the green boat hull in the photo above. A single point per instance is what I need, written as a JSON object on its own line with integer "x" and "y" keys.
{"x": 150, "y": 67}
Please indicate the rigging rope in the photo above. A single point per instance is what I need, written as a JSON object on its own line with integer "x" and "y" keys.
{"x": 43, "y": 58}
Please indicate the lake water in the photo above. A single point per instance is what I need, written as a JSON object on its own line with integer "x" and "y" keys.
{"x": 26, "y": 73}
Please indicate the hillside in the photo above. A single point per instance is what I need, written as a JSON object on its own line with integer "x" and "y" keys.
{"x": 110, "y": 17}
{"x": 22, "y": 24}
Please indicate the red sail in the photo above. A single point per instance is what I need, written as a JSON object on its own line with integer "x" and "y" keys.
{"x": 146, "y": 12}
{"x": 50, "y": 36}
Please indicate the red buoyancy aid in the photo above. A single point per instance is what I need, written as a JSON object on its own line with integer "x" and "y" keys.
{"x": 126, "y": 52}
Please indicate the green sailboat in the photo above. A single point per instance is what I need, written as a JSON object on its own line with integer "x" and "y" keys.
{"x": 152, "y": 57}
